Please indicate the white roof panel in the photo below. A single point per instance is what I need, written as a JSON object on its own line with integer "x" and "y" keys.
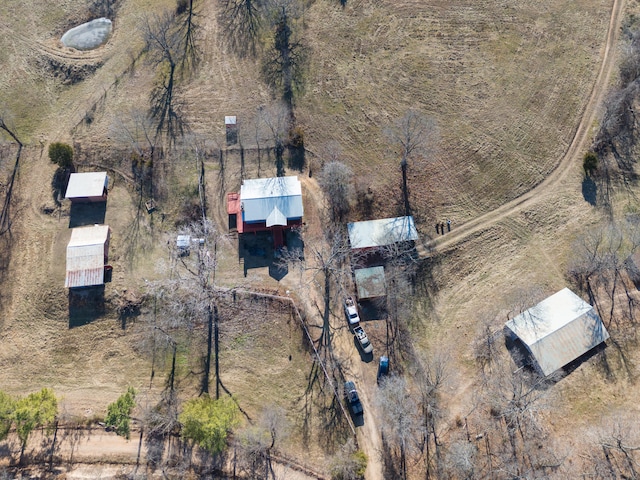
{"x": 90, "y": 184}
{"x": 230, "y": 120}
{"x": 276, "y": 217}
{"x": 93, "y": 235}
{"x": 558, "y": 330}
{"x": 261, "y": 196}
{"x": 385, "y": 231}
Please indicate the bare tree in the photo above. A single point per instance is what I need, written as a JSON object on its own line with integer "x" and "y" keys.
{"x": 257, "y": 442}
{"x": 520, "y": 444}
{"x": 336, "y": 181}
{"x": 189, "y": 32}
{"x": 5, "y": 213}
{"x": 286, "y": 61}
{"x": 243, "y": 23}
{"x": 348, "y": 463}
{"x": 615, "y": 453}
{"x": 415, "y": 135}
{"x": 166, "y": 50}
{"x": 600, "y": 258}
{"x": 277, "y": 121}
{"x": 432, "y": 374}
{"x": 400, "y": 424}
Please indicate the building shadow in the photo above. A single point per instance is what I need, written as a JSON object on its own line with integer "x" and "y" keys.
{"x": 82, "y": 214}
{"x": 373, "y": 309}
{"x": 85, "y": 305}
{"x": 518, "y": 350}
{"x": 256, "y": 250}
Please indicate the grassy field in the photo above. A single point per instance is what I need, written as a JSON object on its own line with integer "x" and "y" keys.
{"x": 506, "y": 83}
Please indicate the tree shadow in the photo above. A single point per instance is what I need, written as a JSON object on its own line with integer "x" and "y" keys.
{"x": 589, "y": 191}
{"x": 82, "y": 214}
{"x": 85, "y": 305}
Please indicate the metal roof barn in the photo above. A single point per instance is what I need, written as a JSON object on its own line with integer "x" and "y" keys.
{"x": 271, "y": 200}
{"x": 379, "y": 233}
{"x": 87, "y": 185}
{"x": 370, "y": 282}
{"x": 558, "y": 330}
{"x": 87, "y": 252}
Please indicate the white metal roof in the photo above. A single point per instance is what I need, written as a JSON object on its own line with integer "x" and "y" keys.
{"x": 558, "y": 330}
{"x": 91, "y": 235}
{"x": 261, "y": 197}
{"x": 385, "y": 231}
{"x": 90, "y": 184}
{"x": 230, "y": 120}
{"x": 85, "y": 256}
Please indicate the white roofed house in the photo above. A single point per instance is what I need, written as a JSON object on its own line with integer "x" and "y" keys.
{"x": 87, "y": 254}
{"x": 267, "y": 204}
{"x": 87, "y": 187}
{"x": 558, "y": 330}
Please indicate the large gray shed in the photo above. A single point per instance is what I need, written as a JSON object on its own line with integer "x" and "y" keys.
{"x": 381, "y": 232}
{"x": 558, "y": 330}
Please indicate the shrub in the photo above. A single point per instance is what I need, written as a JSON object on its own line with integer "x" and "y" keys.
{"x": 61, "y": 154}
{"x": 119, "y": 413}
{"x": 590, "y": 162}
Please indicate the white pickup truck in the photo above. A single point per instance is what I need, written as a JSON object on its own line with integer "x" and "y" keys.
{"x": 363, "y": 340}
{"x": 351, "y": 311}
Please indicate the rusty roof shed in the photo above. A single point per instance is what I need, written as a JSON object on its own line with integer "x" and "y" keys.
{"x": 370, "y": 282}
{"x": 87, "y": 253}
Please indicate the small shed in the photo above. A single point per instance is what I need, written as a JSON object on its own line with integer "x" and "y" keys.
{"x": 183, "y": 242}
{"x": 87, "y": 187}
{"x": 231, "y": 128}
{"x": 370, "y": 282}
{"x": 87, "y": 254}
{"x": 382, "y": 232}
{"x": 558, "y": 330}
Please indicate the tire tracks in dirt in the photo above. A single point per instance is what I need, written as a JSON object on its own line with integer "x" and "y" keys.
{"x": 91, "y": 56}
{"x": 476, "y": 226}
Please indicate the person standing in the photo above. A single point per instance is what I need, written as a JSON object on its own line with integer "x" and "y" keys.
{"x": 448, "y": 225}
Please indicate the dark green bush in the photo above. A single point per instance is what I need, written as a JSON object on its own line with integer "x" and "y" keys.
{"x": 590, "y": 162}
{"x": 61, "y": 154}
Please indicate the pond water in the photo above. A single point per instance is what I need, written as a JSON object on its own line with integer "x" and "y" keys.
{"x": 89, "y": 35}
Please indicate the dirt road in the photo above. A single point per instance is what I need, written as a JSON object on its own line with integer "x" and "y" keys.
{"x": 571, "y": 158}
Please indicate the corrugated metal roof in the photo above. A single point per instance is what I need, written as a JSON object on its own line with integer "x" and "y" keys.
{"x": 385, "y": 231}
{"x": 260, "y": 196}
{"x": 370, "y": 282}
{"x": 85, "y": 266}
{"x": 91, "y": 235}
{"x": 90, "y": 184}
{"x": 85, "y": 256}
{"x": 558, "y": 330}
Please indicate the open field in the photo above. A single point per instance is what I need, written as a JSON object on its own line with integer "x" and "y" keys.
{"x": 508, "y": 85}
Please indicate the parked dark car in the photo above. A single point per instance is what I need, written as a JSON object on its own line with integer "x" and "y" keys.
{"x": 383, "y": 367}
{"x": 353, "y": 400}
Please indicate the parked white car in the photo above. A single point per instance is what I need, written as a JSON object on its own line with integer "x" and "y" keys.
{"x": 351, "y": 311}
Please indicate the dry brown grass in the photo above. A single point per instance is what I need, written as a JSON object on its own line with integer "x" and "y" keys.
{"x": 506, "y": 83}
